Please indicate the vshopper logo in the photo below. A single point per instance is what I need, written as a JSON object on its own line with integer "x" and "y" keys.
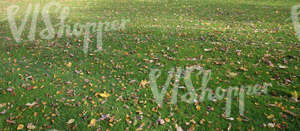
{"x": 295, "y": 18}
{"x": 51, "y": 31}
{"x": 192, "y": 96}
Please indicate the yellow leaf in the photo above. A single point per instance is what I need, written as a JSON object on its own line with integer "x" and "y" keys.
{"x": 239, "y": 119}
{"x": 126, "y": 53}
{"x": 270, "y": 116}
{"x": 143, "y": 83}
{"x": 243, "y": 69}
{"x": 92, "y": 123}
{"x": 167, "y": 119}
{"x": 35, "y": 87}
{"x": 69, "y": 64}
{"x": 58, "y": 92}
{"x": 295, "y": 94}
{"x": 104, "y": 95}
{"x": 198, "y": 108}
{"x": 232, "y": 74}
{"x": 127, "y": 117}
{"x": 35, "y": 114}
{"x": 20, "y": 127}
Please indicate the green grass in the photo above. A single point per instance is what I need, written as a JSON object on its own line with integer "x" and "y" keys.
{"x": 171, "y": 31}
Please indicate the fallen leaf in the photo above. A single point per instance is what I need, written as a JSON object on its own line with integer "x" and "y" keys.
{"x": 105, "y": 117}
{"x": 10, "y": 121}
{"x": 239, "y": 119}
{"x": 3, "y": 112}
{"x": 143, "y": 83}
{"x": 202, "y": 121}
{"x": 9, "y": 89}
{"x": 270, "y": 116}
{"x": 271, "y": 125}
{"x": 198, "y": 108}
{"x": 243, "y": 69}
{"x": 32, "y": 87}
{"x": 20, "y": 127}
{"x": 286, "y": 111}
{"x": 206, "y": 50}
{"x": 230, "y": 118}
{"x": 69, "y": 64}
{"x": 178, "y": 128}
{"x": 92, "y": 123}
{"x": 70, "y": 121}
{"x": 140, "y": 128}
{"x": 31, "y": 104}
{"x": 229, "y": 127}
{"x": 30, "y": 126}
{"x": 295, "y": 96}
{"x": 167, "y": 119}
{"x": 104, "y": 95}
{"x": 232, "y": 74}
{"x": 161, "y": 121}
{"x": 283, "y": 67}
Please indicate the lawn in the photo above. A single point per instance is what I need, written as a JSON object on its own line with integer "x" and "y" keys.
{"x": 54, "y": 84}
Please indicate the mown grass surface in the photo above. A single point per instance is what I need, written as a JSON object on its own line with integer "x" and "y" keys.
{"x": 169, "y": 32}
